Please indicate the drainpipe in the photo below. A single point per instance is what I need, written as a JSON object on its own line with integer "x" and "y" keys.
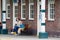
{"x": 4, "y": 30}
{"x": 43, "y": 33}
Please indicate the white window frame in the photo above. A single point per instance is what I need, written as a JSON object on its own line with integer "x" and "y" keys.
{"x": 7, "y": 11}
{"x": 21, "y": 10}
{"x": 15, "y": 4}
{"x": 29, "y": 10}
{"x": 50, "y": 2}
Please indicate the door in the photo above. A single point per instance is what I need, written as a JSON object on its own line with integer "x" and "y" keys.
{"x": 15, "y": 13}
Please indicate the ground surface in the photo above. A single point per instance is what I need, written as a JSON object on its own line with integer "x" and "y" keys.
{"x": 14, "y": 37}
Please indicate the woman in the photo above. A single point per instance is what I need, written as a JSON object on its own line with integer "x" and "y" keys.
{"x": 20, "y": 25}
{"x": 21, "y": 28}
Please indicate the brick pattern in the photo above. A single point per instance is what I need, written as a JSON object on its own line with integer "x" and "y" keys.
{"x": 53, "y": 27}
{"x": 29, "y": 23}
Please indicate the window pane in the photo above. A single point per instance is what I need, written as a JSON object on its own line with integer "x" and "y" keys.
{"x": 51, "y": 5}
{"x": 51, "y": 16}
{"x": 31, "y": 6}
{"x": 8, "y": 11}
{"x": 23, "y": 1}
{"x": 23, "y": 15}
{"x": 51, "y": 10}
{"x": 23, "y": 11}
{"x": 23, "y": 6}
{"x": 31, "y": 15}
{"x": 31, "y": 11}
{"x": 16, "y": 15}
{"x": 9, "y": 15}
{"x": 51, "y": 13}
{"x": 8, "y": 1}
{"x": 8, "y": 7}
{"x": 31, "y": 1}
{"x": 16, "y": 7}
{"x": 15, "y": 1}
{"x": 16, "y": 11}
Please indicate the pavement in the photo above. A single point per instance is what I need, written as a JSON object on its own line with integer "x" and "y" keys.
{"x": 15, "y": 37}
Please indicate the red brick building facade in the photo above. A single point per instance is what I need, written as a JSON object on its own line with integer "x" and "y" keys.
{"x": 52, "y": 15}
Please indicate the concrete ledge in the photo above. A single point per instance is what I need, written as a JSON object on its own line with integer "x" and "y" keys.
{"x": 43, "y": 35}
{"x": 4, "y": 31}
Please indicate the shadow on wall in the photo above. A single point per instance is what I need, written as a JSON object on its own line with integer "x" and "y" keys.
{"x": 28, "y": 30}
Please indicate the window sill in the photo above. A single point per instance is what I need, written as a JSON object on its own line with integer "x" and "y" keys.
{"x": 50, "y": 19}
{"x": 31, "y": 19}
{"x": 8, "y": 18}
{"x": 23, "y": 18}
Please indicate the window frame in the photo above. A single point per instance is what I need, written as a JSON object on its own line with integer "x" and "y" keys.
{"x": 7, "y": 11}
{"x": 29, "y": 10}
{"x": 15, "y": 4}
{"x": 49, "y": 3}
{"x": 22, "y": 10}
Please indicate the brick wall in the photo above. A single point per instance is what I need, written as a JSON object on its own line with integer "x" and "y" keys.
{"x": 53, "y": 27}
{"x": 31, "y": 23}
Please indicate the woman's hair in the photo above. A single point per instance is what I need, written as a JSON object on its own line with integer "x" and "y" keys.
{"x": 17, "y": 19}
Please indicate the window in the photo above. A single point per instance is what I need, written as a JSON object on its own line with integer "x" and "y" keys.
{"x": 8, "y": 9}
{"x": 31, "y": 9}
{"x": 15, "y": 1}
{"x": 23, "y": 9}
{"x": 50, "y": 10}
{"x": 16, "y": 11}
{"x": 8, "y": 1}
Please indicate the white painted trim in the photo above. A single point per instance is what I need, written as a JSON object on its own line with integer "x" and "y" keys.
{"x": 50, "y": 2}
{"x": 29, "y": 10}
{"x": 42, "y": 28}
{"x": 4, "y": 14}
{"x": 21, "y": 10}
{"x": 7, "y": 11}
{"x": 38, "y": 23}
{"x": 14, "y": 4}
